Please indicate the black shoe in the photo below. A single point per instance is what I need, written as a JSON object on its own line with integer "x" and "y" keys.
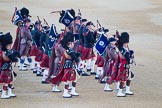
{"x": 85, "y": 74}
{"x": 57, "y": 91}
{"x": 34, "y": 72}
{"x": 102, "y": 82}
{"x": 45, "y": 82}
{"x": 23, "y": 66}
{"x": 129, "y": 93}
{"x": 0, "y": 90}
{"x": 108, "y": 90}
{"x": 68, "y": 97}
{"x": 79, "y": 72}
{"x": 26, "y": 64}
{"x": 88, "y": 70}
{"x": 39, "y": 75}
{"x": 122, "y": 96}
{"x": 42, "y": 70}
{"x": 93, "y": 73}
{"x": 96, "y": 78}
{"x": 23, "y": 69}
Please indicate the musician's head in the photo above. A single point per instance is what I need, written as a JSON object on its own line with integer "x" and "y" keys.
{"x": 6, "y": 41}
{"x": 90, "y": 25}
{"x": 46, "y": 29}
{"x": 77, "y": 20}
{"x": 106, "y": 32}
{"x": 24, "y": 13}
{"x": 123, "y": 39}
{"x": 84, "y": 21}
{"x": 38, "y": 25}
{"x": 112, "y": 41}
{"x": 68, "y": 40}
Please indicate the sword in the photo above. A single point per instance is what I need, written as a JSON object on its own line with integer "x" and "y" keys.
{"x": 12, "y": 20}
{"x": 55, "y": 12}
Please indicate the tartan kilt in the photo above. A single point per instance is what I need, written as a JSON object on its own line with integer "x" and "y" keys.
{"x": 45, "y": 61}
{"x": 109, "y": 71}
{"x": 122, "y": 74}
{"x": 113, "y": 74}
{"x": 39, "y": 56}
{"x": 33, "y": 50}
{"x": 99, "y": 61}
{"x": 58, "y": 78}
{"x": 6, "y": 76}
{"x": 80, "y": 49}
{"x": 87, "y": 53}
{"x": 64, "y": 75}
{"x": 69, "y": 75}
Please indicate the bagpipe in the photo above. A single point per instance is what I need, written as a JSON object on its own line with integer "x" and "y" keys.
{"x": 132, "y": 57}
{"x": 12, "y": 55}
{"x": 8, "y": 66}
{"x": 132, "y": 61}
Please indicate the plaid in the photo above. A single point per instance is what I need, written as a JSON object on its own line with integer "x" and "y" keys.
{"x": 6, "y": 76}
{"x": 39, "y": 56}
{"x": 87, "y": 53}
{"x": 33, "y": 50}
{"x": 45, "y": 61}
{"x": 123, "y": 71}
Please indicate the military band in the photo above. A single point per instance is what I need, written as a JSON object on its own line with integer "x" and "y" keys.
{"x": 80, "y": 49}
